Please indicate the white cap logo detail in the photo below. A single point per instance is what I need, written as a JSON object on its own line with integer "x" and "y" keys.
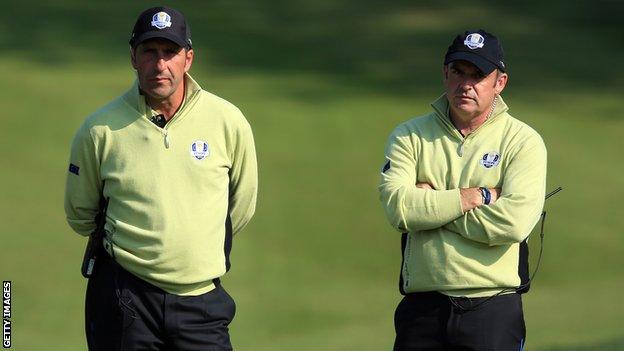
{"x": 199, "y": 149}
{"x": 161, "y": 20}
{"x": 474, "y": 41}
{"x": 490, "y": 159}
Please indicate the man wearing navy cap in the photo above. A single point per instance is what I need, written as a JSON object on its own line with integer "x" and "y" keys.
{"x": 465, "y": 186}
{"x": 177, "y": 166}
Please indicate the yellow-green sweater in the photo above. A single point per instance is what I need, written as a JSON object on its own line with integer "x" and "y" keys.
{"x": 476, "y": 253}
{"x": 176, "y": 194}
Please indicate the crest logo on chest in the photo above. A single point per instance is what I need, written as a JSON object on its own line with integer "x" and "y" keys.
{"x": 490, "y": 159}
{"x": 199, "y": 149}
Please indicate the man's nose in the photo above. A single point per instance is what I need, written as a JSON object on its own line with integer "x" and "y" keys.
{"x": 466, "y": 84}
{"x": 161, "y": 63}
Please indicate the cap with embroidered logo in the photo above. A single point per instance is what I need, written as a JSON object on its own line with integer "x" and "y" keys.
{"x": 480, "y": 48}
{"x": 161, "y": 22}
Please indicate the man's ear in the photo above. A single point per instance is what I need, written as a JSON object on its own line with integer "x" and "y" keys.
{"x": 501, "y": 83}
{"x": 190, "y": 54}
{"x": 445, "y": 70}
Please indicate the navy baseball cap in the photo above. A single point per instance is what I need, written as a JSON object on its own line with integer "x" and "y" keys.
{"x": 161, "y": 22}
{"x": 480, "y": 48}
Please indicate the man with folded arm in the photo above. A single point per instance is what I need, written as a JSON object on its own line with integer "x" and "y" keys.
{"x": 465, "y": 185}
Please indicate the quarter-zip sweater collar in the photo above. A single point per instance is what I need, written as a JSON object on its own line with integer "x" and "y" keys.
{"x": 136, "y": 100}
{"x": 442, "y": 108}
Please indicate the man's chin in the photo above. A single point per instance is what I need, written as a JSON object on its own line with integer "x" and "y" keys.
{"x": 466, "y": 107}
{"x": 157, "y": 93}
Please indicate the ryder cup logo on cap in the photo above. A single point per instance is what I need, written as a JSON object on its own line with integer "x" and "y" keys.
{"x": 199, "y": 149}
{"x": 474, "y": 41}
{"x": 161, "y": 20}
{"x": 490, "y": 159}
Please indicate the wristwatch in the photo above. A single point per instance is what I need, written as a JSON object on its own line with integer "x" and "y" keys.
{"x": 487, "y": 196}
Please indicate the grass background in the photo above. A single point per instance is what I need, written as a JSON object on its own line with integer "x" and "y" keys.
{"x": 322, "y": 83}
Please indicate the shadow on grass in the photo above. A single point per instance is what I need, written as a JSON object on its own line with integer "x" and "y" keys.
{"x": 610, "y": 345}
{"x": 394, "y": 46}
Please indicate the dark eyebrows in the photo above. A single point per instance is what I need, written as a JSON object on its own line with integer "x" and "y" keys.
{"x": 476, "y": 74}
{"x": 480, "y": 74}
{"x": 456, "y": 68}
{"x": 168, "y": 49}
{"x": 459, "y": 70}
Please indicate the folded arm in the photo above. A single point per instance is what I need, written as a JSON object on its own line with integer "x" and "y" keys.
{"x": 410, "y": 208}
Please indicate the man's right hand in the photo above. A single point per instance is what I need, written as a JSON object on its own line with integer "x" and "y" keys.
{"x": 471, "y": 197}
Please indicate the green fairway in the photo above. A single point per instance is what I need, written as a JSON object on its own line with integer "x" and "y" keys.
{"x": 322, "y": 84}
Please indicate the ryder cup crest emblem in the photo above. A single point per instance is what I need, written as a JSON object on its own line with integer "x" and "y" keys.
{"x": 161, "y": 20}
{"x": 199, "y": 149}
{"x": 474, "y": 41}
{"x": 490, "y": 159}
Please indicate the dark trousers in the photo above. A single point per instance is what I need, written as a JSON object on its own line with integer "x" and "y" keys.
{"x": 431, "y": 321}
{"x": 126, "y": 313}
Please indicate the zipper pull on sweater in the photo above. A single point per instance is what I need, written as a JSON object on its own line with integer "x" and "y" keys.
{"x": 167, "y": 140}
